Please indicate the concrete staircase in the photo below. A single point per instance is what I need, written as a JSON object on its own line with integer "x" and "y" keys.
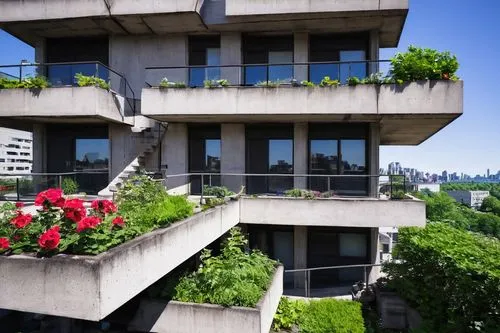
{"x": 146, "y": 144}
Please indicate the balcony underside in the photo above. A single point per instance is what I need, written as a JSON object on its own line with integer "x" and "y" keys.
{"x": 63, "y": 105}
{"x": 408, "y": 114}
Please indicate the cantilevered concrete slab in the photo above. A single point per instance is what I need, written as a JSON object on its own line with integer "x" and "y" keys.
{"x": 66, "y": 104}
{"x": 408, "y": 114}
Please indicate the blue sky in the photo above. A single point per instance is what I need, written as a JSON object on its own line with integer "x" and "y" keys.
{"x": 470, "y": 144}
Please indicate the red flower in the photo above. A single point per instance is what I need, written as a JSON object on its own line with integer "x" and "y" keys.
{"x": 119, "y": 221}
{"x": 89, "y": 222}
{"x": 51, "y": 197}
{"x": 20, "y": 221}
{"x": 50, "y": 239}
{"x": 74, "y": 210}
{"x": 19, "y": 204}
{"x": 446, "y": 76}
{"x": 4, "y": 243}
{"x": 103, "y": 206}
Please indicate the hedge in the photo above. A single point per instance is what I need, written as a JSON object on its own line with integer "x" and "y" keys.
{"x": 451, "y": 276}
{"x": 332, "y": 316}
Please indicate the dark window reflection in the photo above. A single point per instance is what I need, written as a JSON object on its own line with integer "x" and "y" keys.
{"x": 353, "y": 163}
{"x": 341, "y": 71}
{"x": 323, "y": 161}
{"x": 280, "y": 162}
{"x": 64, "y": 75}
{"x": 212, "y": 155}
{"x": 92, "y": 154}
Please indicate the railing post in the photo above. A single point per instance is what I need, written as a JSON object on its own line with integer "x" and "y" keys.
{"x": 210, "y": 180}
{"x": 59, "y": 181}
{"x": 267, "y": 73}
{"x": 308, "y": 283}
{"x": 329, "y": 186}
{"x": 366, "y": 276}
{"x": 96, "y": 69}
{"x": 17, "y": 189}
{"x": 202, "y": 188}
{"x": 21, "y": 72}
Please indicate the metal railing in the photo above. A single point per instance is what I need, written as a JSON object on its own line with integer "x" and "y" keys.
{"x": 62, "y": 74}
{"x": 329, "y": 281}
{"x": 25, "y": 186}
{"x": 266, "y": 73}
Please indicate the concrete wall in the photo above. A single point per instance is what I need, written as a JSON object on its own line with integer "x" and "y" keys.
{"x": 90, "y": 288}
{"x": 180, "y": 317}
{"x": 39, "y": 148}
{"x": 175, "y": 153}
{"x": 374, "y": 255}
{"x": 347, "y": 212}
{"x": 89, "y": 103}
{"x": 373, "y": 158}
{"x": 233, "y": 155}
{"x": 300, "y": 154}
{"x": 124, "y": 147}
{"x": 258, "y": 7}
{"x": 230, "y": 47}
{"x": 299, "y": 254}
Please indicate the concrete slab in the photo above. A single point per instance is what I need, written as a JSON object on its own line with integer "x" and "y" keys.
{"x": 91, "y": 287}
{"x": 180, "y": 317}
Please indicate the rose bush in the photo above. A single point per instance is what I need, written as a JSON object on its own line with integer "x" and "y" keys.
{"x": 62, "y": 225}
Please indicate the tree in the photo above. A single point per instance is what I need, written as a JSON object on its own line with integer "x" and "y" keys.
{"x": 491, "y": 205}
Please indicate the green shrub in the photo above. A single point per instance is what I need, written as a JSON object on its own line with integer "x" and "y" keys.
{"x": 234, "y": 278}
{"x": 69, "y": 186}
{"x": 165, "y": 83}
{"x": 423, "y": 64}
{"x": 451, "y": 276}
{"x": 217, "y": 191}
{"x": 354, "y": 81}
{"x": 269, "y": 84}
{"x": 398, "y": 195}
{"x": 309, "y": 84}
{"x": 8, "y": 83}
{"x": 327, "y": 82}
{"x": 91, "y": 81}
{"x": 215, "y": 83}
{"x": 375, "y": 78}
{"x": 288, "y": 313}
{"x": 332, "y": 316}
{"x": 294, "y": 193}
{"x": 138, "y": 191}
{"x": 37, "y": 82}
{"x": 491, "y": 205}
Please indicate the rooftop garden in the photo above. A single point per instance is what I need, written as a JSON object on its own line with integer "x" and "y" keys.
{"x": 40, "y": 82}
{"x": 68, "y": 225}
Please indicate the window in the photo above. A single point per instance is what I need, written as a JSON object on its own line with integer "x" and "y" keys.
{"x": 204, "y": 51}
{"x": 352, "y": 245}
{"x": 2, "y": 159}
{"x": 11, "y": 153}
{"x": 280, "y": 162}
{"x": 91, "y": 154}
{"x": 204, "y": 155}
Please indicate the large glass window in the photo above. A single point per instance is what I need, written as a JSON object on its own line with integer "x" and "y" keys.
{"x": 204, "y": 155}
{"x": 92, "y": 154}
{"x": 280, "y": 162}
{"x": 204, "y": 51}
{"x": 212, "y": 155}
{"x": 323, "y": 161}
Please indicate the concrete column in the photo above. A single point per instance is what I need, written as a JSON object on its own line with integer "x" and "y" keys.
{"x": 301, "y": 55}
{"x": 299, "y": 254}
{"x": 175, "y": 153}
{"x": 300, "y": 158}
{"x": 231, "y": 55}
{"x": 374, "y": 255}
{"x": 374, "y": 51}
{"x": 373, "y": 158}
{"x": 39, "y": 148}
{"x": 233, "y": 155}
{"x": 40, "y": 55}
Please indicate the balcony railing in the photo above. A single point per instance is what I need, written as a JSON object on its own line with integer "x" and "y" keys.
{"x": 266, "y": 74}
{"x": 63, "y": 74}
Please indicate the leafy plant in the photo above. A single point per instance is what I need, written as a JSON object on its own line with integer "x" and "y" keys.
{"x": 8, "y": 83}
{"x": 294, "y": 193}
{"x": 37, "y": 82}
{"x": 354, "y": 81}
{"x": 288, "y": 314}
{"x": 298, "y": 193}
{"x": 308, "y": 84}
{"x": 423, "y": 64}
{"x": 375, "y": 78}
{"x": 398, "y": 195}
{"x": 91, "y": 81}
{"x": 215, "y": 83}
{"x": 165, "y": 83}
{"x": 217, "y": 191}
{"x": 234, "y": 278}
{"x": 451, "y": 276}
{"x": 331, "y": 315}
{"x": 327, "y": 82}
{"x": 69, "y": 186}
{"x": 269, "y": 84}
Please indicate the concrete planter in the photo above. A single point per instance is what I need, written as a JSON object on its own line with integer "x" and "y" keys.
{"x": 91, "y": 287}
{"x": 179, "y": 317}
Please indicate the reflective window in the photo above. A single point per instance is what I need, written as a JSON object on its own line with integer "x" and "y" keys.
{"x": 353, "y": 69}
{"x": 212, "y": 155}
{"x": 283, "y": 73}
{"x": 353, "y": 156}
{"x": 280, "y": 162}
{"x": 324, "y": 156}
{"x": 199, "y": 75}
{"x": 352, "y": 245}
{"x": 92, "y": 154}
{"x": 64, "y": 75}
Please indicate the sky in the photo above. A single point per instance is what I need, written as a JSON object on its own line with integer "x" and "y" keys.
{"x": 470, "y": 30}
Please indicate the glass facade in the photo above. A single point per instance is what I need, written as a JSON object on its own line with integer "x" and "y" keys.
{"x": 204, "y": 155}
{"x": 204, "y": 51}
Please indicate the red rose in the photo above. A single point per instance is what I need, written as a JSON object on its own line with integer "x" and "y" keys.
{"x": 74, "y": 210}
{"x": 119, "y": 221}
{"x": 20, "y": 221}
{"x": 4, "y": 243}
{"x": 50, "y": 239}
{"x": 103, "y": 206}
{"x": 19, "y": 204}
{"x": 51, "y": 197}
{"x": 89, "y": 222}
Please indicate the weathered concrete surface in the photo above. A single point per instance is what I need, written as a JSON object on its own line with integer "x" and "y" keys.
{"x": 90, "y": 288}
{"x": 408, "y": 114}
{"x": 338, "y": 212}
{"x": 179, "y": 317}
{"x": 86, "y": 104}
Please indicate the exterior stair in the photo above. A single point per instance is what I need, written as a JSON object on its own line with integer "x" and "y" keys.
{"x": 146, "y": 142}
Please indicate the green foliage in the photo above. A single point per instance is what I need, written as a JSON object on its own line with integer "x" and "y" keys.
{"x": 423, "y": 64}
{"x": 91, "y": 81}
{"x": 306, "y": 83}
{"x": 327, "y": 82}
{"x": 494, "y": 188}
{"x": 354, "y": 81}
{"x": 234, "y": 278}
{"x": 398, "y": 195}
{"x": 138, "y": 191}
{"x": 37, "y": 82}
{"x": 375, "y": 78}
{"x": 451, "y": 276}
{"x": 269, "y": 84}
{"x": 294, "y": 193}
{"x": 491, "y": 205}
{"x": 215, "y": 83}
{"x": 288, "y": 314}
{"x": 69, "y": 186}
{"x": 165, "y": 83}
{"x": 332, "y": 316}
{"x": 217, "y": 191}
{"x": 306, "y": 194}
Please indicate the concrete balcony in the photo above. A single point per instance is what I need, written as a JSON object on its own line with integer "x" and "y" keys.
{"x": 92, "y": 287}
{"x": 408, "y": 113}
{"x": 65, "y": 104}
{"x": 336, "y": 212}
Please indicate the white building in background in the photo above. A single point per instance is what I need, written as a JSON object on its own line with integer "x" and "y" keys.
{"x": 16, "y": 151}
{"x": 472, "y": 199}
